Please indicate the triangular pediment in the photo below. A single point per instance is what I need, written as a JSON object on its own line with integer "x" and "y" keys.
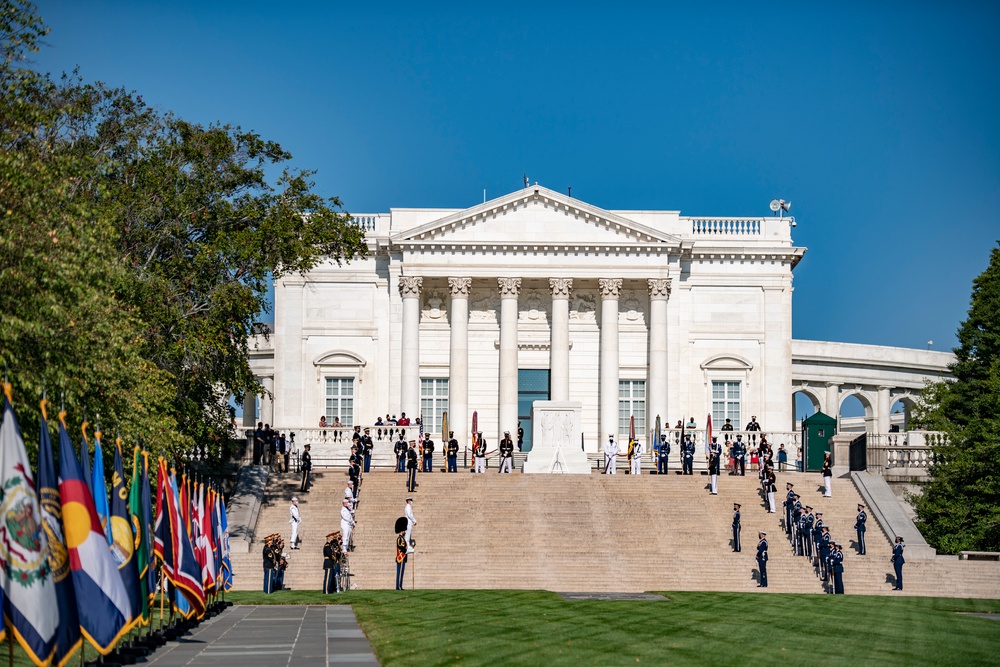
{"x": 534, "y": 215}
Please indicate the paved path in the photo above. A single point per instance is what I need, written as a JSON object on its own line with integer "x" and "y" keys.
{"x": 272, "y": 635}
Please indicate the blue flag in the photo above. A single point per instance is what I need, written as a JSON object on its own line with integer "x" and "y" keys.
{"x": 85, "y": 460}
{"x": 99, "y": 489}
{"x": 123, "y": 537}
{"x": 147, "y": 518}
{"x": 227, "y": 566}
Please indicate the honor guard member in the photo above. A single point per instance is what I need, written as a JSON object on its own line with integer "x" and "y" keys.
{"x": 354, "y": 474}
{"x": 331, "y": 566}
{"x": 479, "y": 453}
{"x": 824, "y": 546}
{"x": 610, "y": 455}
{"x": 736, "y": 527}
{"x": 805, "y": 528}
{"x": 452, "y": 452}
{"x": 752, "y": 428}
{"x": 688, "y": 452}
{"x": 636, "y": 451}
{"x": 663, "y": 455}
{"x": 740, "y": 456}
{"x": 714, "y": 457}
{"x": 817, "y": 532}
{"x": 411, "y": 521}
{"x": 827, "y": 476}
{"x": 771, "y": 487}
{"x": 401, "y": 547}
{"x": 294, "y": 519}
{"x": 355, "y": 457}
{"x": 520, "y": 437}
{"x": 762, "y": 559}
{"x": 728, "y": 426}
{"x": 506, "y": 453}
{"x": 347, "y": 524}
{"x": 411, "y": 467}
{"x": 399, "y": 449}
{"x": 307, "y": 464}
{"x": 897, "y": 563}
{"x": 859, "y": 526}
{"x": 789, "y": 502}
{"x": 837, "y": 566}
{"x": 797, "y": 511}
{"x": 427, "y": 453}
{"x": 269, "y": 563}
{"x": 279, "y": 571}
{"x": 366, "y": 448}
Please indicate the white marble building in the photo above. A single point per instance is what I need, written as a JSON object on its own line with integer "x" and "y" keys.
{"x": 537, "y": 295}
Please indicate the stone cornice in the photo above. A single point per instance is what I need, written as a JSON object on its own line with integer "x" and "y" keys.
{"x": 468, "y": 247}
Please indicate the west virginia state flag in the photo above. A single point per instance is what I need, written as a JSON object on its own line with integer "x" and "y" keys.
{"x": 29, "y": 598}
{"x": 102, "y": 603}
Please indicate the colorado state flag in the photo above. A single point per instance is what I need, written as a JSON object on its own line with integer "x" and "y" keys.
{"x": 102, "y": 602}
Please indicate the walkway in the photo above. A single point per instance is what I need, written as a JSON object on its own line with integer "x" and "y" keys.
{"x": 267, "y": 636}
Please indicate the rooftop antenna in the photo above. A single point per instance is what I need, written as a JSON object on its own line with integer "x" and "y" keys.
{"x": 780, "y": 206}
{"x": 929, "y": 343}
{"x": 569, "y": 191}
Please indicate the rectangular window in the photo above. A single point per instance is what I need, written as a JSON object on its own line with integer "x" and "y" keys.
{"x": 433, "y": 404}
{"x": 726, "y": 401}
{"x": 631, "y": 403}
{"x": 340, "y": 400}
{"x": 532, "y": 385}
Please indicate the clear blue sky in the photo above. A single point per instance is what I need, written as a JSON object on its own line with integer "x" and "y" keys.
{"x": 881, "y": 125}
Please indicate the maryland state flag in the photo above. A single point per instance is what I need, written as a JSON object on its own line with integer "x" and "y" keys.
{"x": 103, "y": 604}
{"x": 29, "y": 598}
{"x": 123, "y": 539}
{"x": 141, "y": 529}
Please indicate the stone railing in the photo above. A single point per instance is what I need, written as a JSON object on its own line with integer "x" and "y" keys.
{"x": 373, "y": 224}
{"x": 726, "y": 226}
{"x": 907, "y": 454}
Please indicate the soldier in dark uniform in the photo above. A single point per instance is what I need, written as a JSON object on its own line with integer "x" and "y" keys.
{"x": 825, "y": 544}
{"x": 770, "y": 488}
{"x": 520, "y": 437}
{"x": 354, "y": 474}
{"x": 307, "y": 465}
{"x": 827, "y": 476}
{"x": 427, "y": 453}
{"x": 411, "y": 467}
{"x": 736, "y": 527}
{"x": 740, "y": 456}
{"x": 269, "y": 563}
{"x": 399, "y": 449}
{"x": 752, "y": 428}
{"x": 837, "y": 565}
{"x": 806, "y": 528}
{"x": 279, "y": 571}
{"x": 506, "y": 453}
{"x": 859, "y": 526}
{"x": 714, "y": 455}
{"x": 331, "y": 563}
{"x": 366, "y": 449}
{"x": 688, "y": 451}
{"x": 797, "y": 510}
{"x": 663, "y": 455}
{"x": 452, "y": 452}
{"x": 817, "y": 531}
{"x": 789, "y": 502}
{"x": 762, "y": 559}
{"x": 400, "y": 559}
{"x": 897, "y": 563}
{"x": 728, "y": 426}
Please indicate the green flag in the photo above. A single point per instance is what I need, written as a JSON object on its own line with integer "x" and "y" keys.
{"x": 141, "y": 533}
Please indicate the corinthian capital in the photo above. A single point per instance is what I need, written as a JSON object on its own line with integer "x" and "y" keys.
{"x": 410, "y": 285}
{"x": 659, "y": 288}
{"x": 561, "y": 287}
{"x": 611, "y": 288}
{"x": 509, "y": 287}
{"x": 459, "y": 286}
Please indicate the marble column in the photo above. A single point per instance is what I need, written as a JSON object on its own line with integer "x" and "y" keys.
{"x": 409, "y": 362}
{"x": 559, "y": 346}
{"x": 882, "y": 407}
{"x": 608, "y": 399}
{"x": 510, "y": 289}
{"x": 656, "y": 392}
{"x": 249, "y": 410}
{"x": 458, "y": 358}
{"x": 832, "y": 404}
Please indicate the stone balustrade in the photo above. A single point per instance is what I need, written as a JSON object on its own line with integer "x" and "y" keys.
{"x": 373, "y": 224}
{"x": 725, "y": 226}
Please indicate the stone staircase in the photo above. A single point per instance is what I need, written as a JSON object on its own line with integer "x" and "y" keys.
{"x": 586, "y": 533}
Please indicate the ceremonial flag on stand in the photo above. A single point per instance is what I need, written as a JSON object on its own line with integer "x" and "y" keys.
{"x": 28, "y": 594}
{"x": 656, "y": 435}
{"x": 85, "y": 458}
{"x": 162, "y": 541}
{"x": 99, "y": 488}
{"x": 141, "y": 531}
{"x": 205, "y": 542}
{"x": 227, "y": 567}
{"x": 102, "y": 603}
{"x": 145, "y": 515}
{"x": 124, "y": 539}
{"x": 68, "y": 637}
{"x": 173, "y": 546}
{"x": 708, "y": 433}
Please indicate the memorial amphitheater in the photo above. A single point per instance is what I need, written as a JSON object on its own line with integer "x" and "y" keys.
{"x": 538, "y": 302}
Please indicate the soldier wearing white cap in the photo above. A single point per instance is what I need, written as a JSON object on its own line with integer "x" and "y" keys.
{"x": 506, "y": 453}
{"x": 635, "y": 463}
{"x": 479, "y": 453}
{"x": 295, "y": 520}
{"x": 610, "y": 454}
{"x": 411, "y": 521}
{"x": 347, "y": 524}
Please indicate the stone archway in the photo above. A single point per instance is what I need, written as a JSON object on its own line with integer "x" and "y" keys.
{"x": 802, "y": 399}
{"x": 851, "y": 422}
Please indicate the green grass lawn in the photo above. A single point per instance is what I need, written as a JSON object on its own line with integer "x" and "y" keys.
{"x": 539, "y": 628}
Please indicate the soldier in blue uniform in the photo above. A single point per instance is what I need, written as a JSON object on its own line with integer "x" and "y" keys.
{"x": 411, "y": 467}
{"x": 837, "y": 565}
{"x": 859, "y": 525}
{"x": 817, "y": 532}
{"x": 789, "y": 501}
{"x": 714, "y": 455}
{"x": 366, "y": 449}
{"x": 806, "y": 528}
{"x": 427, "y": 454}
{"x": 897, "y": 563}
{"x": 736, "y": 527}
{"x": 762, "y": 559}
{"x": 452, "y": 452}
{"x": 331, "y": 563}
{"x": 797, "y": 511}
{"x": 663, "y": 455}
{"x": 399, "y": 449}
{"x": 688, "y": 451}
{"x": 825, "y": 545}
{"x": 740, "y": 456}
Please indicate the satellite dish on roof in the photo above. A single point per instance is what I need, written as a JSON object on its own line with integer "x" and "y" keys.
{"x": 775, "y": 205}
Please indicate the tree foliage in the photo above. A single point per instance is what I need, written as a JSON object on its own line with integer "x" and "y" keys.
{"x": 958, "y": 508}
{"x": 137, "y": 247}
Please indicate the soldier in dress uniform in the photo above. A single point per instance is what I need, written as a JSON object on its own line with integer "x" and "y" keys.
{"x": 714, "y": 457}
{"x": 452, "y": 452}
{"x": 688, "y": 451}
{"x": 399, "y": 449}
{"x": 400, "y": 559}
{"x": 506, "y": 453}
{"x": 805, "y": 528}
{"x": 366, "y": 448}
{"x": 859, "y": 526}
{"x": 270, "y": 561}
{"x": 479, "y": 453}
{"x": 354, "y": 474}
{"x": 331, "y": 564}
{"x": 827, "y": 476}
{"x": 762, "y": 559}
{"x": 636, "y": 450}
{"x": 789, "y": 502}
{"x": 411, "y": 467}
{"x": 817, "y": 531}
{"x": 752, "y": 428}
{"x": 825, "y": 545}
{"x": 740, "y": 456}
{"x": 520, "y": 437}
{"x": 427, "y": 454}
{"x": 610, "y": 455}
{"x": 897, "y": 563}
{"x": 771, "y": 488}
{"x": 306, "y": 464}
{"x": 736, "y": 527}
{"x": 347, "y": 524}
{"x": 837, "y": 566}
{"x": 797, "y": 511}
{"x": 663, "y": 457}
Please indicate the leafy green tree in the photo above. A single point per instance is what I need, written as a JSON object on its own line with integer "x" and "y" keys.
{"x": 136, "y": 250}
{"x": 958, "y": 509}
